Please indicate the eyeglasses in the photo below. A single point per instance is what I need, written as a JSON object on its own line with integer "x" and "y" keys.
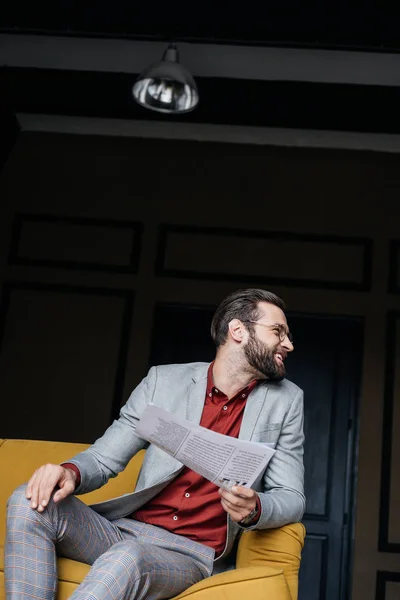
{"x": 279, "y": 329}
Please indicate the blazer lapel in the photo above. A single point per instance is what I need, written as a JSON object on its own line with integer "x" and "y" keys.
{"x": 197, "y": 395}
{"x": 254, "y": 406}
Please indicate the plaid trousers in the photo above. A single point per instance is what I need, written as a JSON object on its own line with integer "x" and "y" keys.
{"x": 129, "y": 559}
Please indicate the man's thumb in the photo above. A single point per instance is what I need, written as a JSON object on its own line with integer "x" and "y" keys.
{"x": 66, "y": 488}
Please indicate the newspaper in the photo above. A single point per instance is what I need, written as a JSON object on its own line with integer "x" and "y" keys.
{"x": 224, "y": 460}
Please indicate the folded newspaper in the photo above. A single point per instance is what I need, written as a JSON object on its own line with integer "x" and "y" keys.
{"x": 224, "y": 460}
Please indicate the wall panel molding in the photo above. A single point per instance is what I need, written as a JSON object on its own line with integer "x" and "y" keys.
{"x": 60, "y": 241}
{"x": 126, "y": 296}
{"x": 308, "y": 564}
{"x": 394, "y": 267}
{"x": 10, "y": 129}
{"x": 185, "y": 251}
{"x": 382, "y": 579}
{"x": 392, "y": 343}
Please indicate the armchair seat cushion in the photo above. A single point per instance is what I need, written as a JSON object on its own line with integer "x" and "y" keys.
{"x": 257, "y": 583}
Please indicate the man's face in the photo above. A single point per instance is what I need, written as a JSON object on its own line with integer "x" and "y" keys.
{"x": 265, "y": 351}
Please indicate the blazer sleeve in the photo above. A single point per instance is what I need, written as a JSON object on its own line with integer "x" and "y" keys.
{"x": 110, "y": 454}
{"x": 282, "y": 497}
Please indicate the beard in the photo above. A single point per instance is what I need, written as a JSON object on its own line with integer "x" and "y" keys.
{"x": 262, "y": 359}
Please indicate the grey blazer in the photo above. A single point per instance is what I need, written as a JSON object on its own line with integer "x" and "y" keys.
{"x": 273, "y": 414}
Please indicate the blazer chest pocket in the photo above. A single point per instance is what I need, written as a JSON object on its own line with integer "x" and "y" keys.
{"x": 269, "y": 434}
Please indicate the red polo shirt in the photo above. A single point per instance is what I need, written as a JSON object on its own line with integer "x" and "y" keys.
{"x": 191, "y": 505}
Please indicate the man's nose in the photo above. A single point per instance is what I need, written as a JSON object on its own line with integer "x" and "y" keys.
{"x": 288, "y": 345}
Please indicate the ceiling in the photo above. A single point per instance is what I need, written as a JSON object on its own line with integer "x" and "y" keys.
{"x": 318, "y": 24}
{"x": 326, "y": 65}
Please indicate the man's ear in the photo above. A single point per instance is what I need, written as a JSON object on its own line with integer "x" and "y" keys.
{"x": 237, "y": 330}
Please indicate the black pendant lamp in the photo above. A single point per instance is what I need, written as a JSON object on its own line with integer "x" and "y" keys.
{"x": 166, "y": 86}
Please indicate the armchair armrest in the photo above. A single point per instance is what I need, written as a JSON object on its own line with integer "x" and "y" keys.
{"x": 275, "y": 548}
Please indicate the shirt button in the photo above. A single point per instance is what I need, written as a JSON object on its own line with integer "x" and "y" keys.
{"x": 243, "y": 395}
{"x": 175, "y": 518}
{"x": 187, "y": 495}
{"x": 210, "y": 394}
{"x": 225, "y": 408}
{"x": 216, "y": 391}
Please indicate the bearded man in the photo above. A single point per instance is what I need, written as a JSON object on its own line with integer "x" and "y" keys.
{"x": 176, "y": 527}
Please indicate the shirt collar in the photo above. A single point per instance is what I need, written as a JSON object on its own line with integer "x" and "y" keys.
{"x": 211, "y": 389}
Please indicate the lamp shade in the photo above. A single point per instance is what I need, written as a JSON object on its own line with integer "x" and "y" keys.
{"x": 166, "y": 86}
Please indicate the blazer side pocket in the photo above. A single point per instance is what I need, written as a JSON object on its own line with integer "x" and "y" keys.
{"x": 268, "y": 435}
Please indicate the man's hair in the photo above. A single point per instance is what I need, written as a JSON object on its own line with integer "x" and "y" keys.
{"x": 242, "y": 305}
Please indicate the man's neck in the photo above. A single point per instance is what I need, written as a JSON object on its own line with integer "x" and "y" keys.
{"x": 229, "y": 376}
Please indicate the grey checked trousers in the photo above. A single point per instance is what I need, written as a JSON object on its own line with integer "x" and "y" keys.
{"x": 129, "y": 559}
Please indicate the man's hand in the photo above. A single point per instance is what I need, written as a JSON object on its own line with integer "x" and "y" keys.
{"x": 43, "y": 482}
{"x": 238, "y": 502}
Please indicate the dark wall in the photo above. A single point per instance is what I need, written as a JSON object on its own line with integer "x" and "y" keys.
{"x": 97, "y": 233}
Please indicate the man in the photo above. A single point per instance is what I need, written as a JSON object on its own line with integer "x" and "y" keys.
{"x": 176, "y": 527}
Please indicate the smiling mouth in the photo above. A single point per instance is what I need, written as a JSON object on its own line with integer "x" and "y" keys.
{"x": 279, "y": 358}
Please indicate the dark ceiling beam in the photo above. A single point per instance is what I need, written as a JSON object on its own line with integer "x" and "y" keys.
{"x": 202, "y": 60}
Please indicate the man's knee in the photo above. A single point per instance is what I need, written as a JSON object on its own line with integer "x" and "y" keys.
{"x": 130, "y": 555}
{"x": 18, "y": 497}
{"x": 19, "y": 506}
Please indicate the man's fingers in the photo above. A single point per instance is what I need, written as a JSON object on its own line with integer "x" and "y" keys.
{"x": 35, "y": 490}
{"x": 42, "y": 484}
{"x": 48, "y": 482}
{"x": 30, "y": 486}
{"x": 240, "y": 492}
{"x": 238, "y": 502}
{"x": 233, "y": 499}
{"x": 235, "y": 515}
{"x": 244, "y": 492}
{"x": 43, "y": 495}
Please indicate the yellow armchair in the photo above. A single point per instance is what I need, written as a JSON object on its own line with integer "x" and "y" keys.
{"x": 267, "y": 562}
